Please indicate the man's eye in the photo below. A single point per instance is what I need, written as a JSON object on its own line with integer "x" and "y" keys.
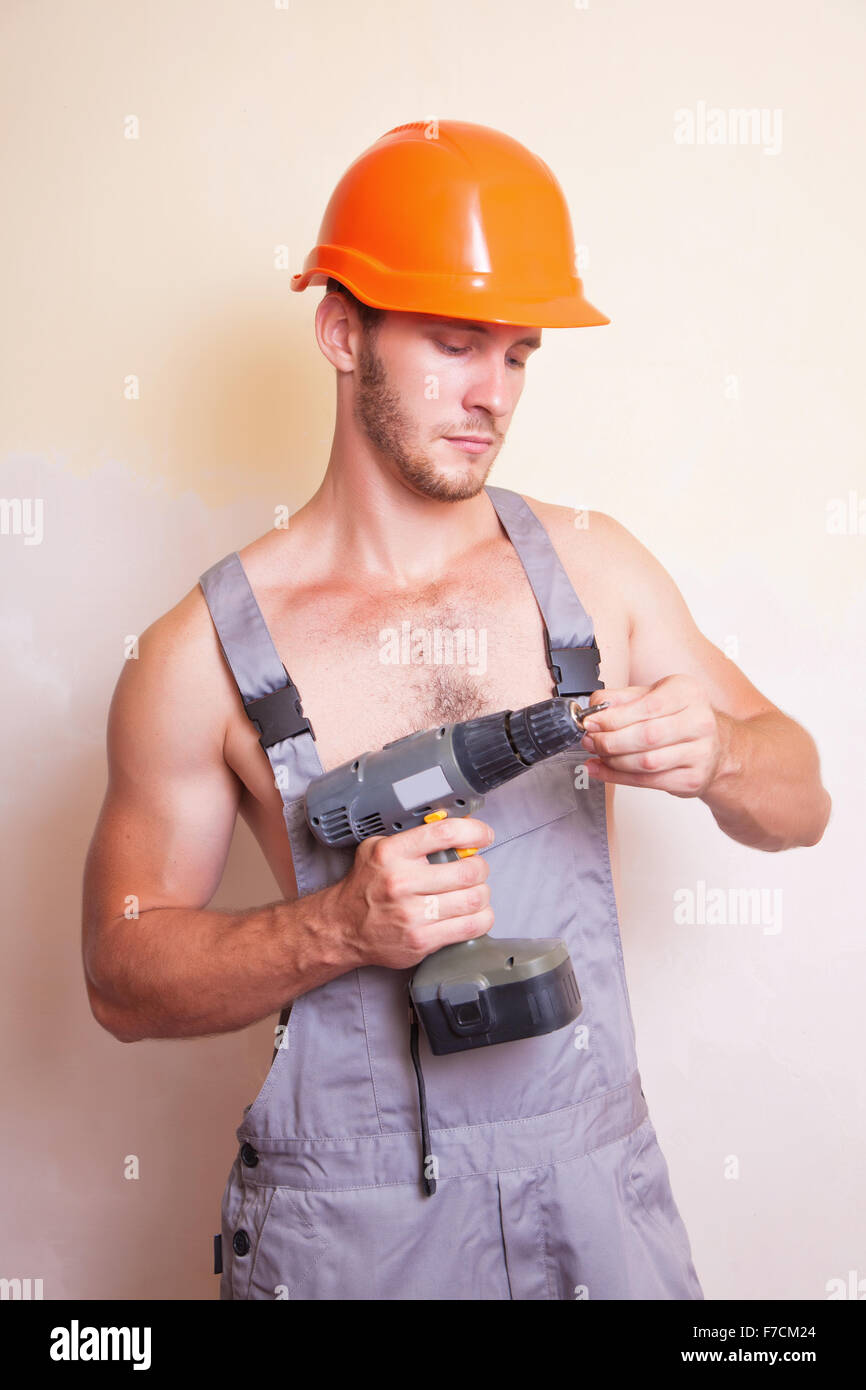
{"x": 456, "y": 352}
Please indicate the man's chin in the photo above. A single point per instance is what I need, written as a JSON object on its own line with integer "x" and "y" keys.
{"x": 455, "y": 484}
{"x": 444, "y": 488}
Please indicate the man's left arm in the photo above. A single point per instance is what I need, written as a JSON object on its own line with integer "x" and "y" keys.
{"x": 692, "y": 724}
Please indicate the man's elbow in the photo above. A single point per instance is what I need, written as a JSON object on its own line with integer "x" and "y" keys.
{"x": 115, "y": 1021}
{"x": 823, "y": 822}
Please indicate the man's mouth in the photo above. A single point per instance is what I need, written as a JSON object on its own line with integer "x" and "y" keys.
{"x": 470, "y": 443}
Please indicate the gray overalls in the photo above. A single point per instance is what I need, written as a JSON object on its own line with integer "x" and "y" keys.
{"x": 550, "y": 1183}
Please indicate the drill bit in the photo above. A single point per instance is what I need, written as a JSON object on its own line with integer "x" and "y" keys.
{"x": 578, "y": 714}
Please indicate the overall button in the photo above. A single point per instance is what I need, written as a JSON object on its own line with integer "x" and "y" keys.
{"x": 241, "y": 1243}
{"x": 249, "y": 1156}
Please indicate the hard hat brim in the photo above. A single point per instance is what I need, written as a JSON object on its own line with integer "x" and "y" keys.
{"x": 475, "y": 296}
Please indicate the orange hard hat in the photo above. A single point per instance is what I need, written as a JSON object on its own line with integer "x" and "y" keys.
{"x": 464, "y": 222}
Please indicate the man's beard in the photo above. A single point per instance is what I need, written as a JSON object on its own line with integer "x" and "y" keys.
{"x": 378, "y": 410}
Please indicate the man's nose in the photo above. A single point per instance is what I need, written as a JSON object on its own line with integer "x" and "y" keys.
{"x": 491, "y": 389}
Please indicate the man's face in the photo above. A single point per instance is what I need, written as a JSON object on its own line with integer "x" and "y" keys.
{"x": 421, "y": 379}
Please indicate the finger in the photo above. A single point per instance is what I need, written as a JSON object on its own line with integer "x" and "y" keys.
{"x": 474, "y": 924}
{"x": 623, "y": 696}
{"x": 678, "y": 781}
{"x": 422, "y": 877}
{"x": 677, "y": 755}
{"x": 462, "y": 902}
{"x": 602, "y": 698}
{"x": 452, "y": 832}
{"x": 646, "y": 703}
{"x": 627, "y": 695}
{"x": 660, "y": 732}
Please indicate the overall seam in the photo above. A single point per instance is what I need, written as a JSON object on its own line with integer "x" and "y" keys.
{"x": 462, "y": 1177}
{"x": 542, "y": 1234}
{"x": 502, "y": 1238}
{"x": 453, "y": 1129}
{"x": 659, "y": 1225}
{"x": 259, "y": 1240}
{"x": 369, "y": 1054}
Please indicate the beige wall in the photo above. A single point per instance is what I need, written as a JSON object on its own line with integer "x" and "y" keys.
{"x": 715, "y": 417}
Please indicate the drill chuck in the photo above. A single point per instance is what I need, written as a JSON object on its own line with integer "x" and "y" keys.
{"x": 493, "y": 749}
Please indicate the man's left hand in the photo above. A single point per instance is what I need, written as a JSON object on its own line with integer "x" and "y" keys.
{"x": 665, "y": 735}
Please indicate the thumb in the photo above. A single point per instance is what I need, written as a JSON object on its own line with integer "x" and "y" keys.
{"x": 623, "y": 696}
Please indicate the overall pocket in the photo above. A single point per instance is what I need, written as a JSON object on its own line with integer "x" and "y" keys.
{"x": 274, "y": 1245}
{"x": 649, "y": 1180}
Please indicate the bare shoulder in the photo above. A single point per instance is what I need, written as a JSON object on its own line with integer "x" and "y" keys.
{"x": 184, "y": 635}
{"x": 586, "y": 538}
{"x": 594, "y": 526}
{"x": 178, "y": 682}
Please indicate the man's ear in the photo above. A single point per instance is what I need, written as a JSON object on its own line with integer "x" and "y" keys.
{"x": 333, "y": 325}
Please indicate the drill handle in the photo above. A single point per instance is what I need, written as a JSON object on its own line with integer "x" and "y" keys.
{"x": 444, "y": 856}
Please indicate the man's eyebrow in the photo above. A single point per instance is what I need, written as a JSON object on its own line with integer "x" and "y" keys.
{"x": 470, "y": 326}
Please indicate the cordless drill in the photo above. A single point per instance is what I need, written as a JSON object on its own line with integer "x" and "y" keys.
{"x": 486, "y": 990}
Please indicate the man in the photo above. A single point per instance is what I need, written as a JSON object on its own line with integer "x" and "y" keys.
{"x": 543, "y": 1178}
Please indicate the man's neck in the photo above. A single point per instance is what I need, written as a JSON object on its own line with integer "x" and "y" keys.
{"x": 378, "y": 528}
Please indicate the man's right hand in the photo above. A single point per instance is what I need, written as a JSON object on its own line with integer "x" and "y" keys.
{"x": 396, "y": 907}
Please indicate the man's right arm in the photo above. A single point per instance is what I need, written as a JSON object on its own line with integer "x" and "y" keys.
{"x": 178, "y": 969}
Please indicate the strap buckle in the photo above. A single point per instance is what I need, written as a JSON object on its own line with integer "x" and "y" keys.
{"x": 279, "y": 715}
{"x": 574, "y": 669}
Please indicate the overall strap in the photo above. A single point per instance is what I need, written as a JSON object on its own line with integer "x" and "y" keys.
{"x": 572, "y": 651}
{"x": 269, "y": 695}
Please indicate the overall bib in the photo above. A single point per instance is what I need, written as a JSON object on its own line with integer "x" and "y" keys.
{"x": 550, "y": 1183}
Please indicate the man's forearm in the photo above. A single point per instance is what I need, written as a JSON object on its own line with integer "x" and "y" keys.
{"x": 180, "y": 972}
{"x": 767, "y": 791}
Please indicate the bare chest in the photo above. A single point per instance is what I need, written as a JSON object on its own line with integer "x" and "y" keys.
{"x": 371, "y": 667}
